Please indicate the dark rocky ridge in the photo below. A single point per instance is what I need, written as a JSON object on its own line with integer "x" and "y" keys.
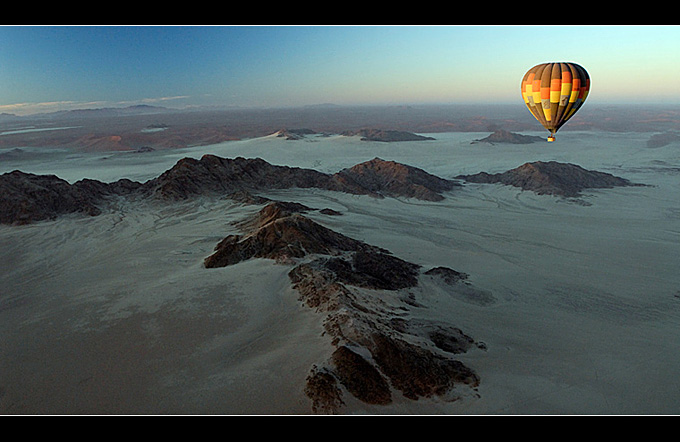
{"x": 387, "y": 136}
{"x": 504, "y": 136}
{"x": 215, "y": 175}
{"x": 27, "y": 198}
{"x": 390, "y": 178}
{"x": 280, "y": 232}
{"x": 350, "y": 281}
{"x": 551, "y": 178}
{"x": 295, "y": 134}
{"x": 212, "y": 174}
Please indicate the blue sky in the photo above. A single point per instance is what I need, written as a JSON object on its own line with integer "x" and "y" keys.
{"x": 45, "y": 68}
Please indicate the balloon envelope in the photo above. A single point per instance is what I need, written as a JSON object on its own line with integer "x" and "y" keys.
{"x": 553, "y": 92}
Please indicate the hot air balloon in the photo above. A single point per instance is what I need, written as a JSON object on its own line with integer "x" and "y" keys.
{"x": 553, "y": 92}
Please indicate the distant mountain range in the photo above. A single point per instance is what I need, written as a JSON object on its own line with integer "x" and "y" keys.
{"x": 111, "y": 128}
{"x": 139, "y": 109}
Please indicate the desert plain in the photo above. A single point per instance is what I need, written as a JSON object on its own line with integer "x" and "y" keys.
{"x": 573, "y": 302}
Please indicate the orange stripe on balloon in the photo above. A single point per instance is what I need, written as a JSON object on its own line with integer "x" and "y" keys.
{"x": 566, "y": 76}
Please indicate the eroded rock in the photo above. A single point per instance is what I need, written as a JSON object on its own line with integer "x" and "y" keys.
{"x": 551, "y": 178}
{"x": 366, "y": 294}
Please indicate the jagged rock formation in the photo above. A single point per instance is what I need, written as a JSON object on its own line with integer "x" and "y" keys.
{"x": 387, "y": 136}
{"x": 33, "y": 198}
{"x": 449, "y": 276}
{"x": 212, "y": 174}
{"x": 551, "y": 178}
{"x": 390, "y": 178}
{"x": 366, "y": 293}
{"x": 215, "y": 175}
{"x": 26, "y": 197}
{"x": 504, "y": 136}
{"x": 279, "y": 232}
{"x": 294, "y": 134}
{"x": 330, "y": 212}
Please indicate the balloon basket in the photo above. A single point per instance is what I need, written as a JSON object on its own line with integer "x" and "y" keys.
{"x": 551, "y": 139}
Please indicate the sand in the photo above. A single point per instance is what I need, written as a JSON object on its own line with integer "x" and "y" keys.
{"x": 116, "y": 314}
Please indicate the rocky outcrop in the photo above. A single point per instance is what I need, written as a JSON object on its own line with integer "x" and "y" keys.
{"x": 448, "y": 275}
{"x": 215, "y": 175}
{"x": 33, "y": 198}
{"x": 294, "y": 134}
{"x": 504, "y": 136}
{"x": 366, "y": 294}
{"x": 387, "y": 136}
{"x": 379, "y": 349}
{"x": 551, "y": 178}
{"x": 389, "y": 178}
{"x": 280, "y": 232}
{"x": 26, "y": 197}
{"x": 29, "y": 197}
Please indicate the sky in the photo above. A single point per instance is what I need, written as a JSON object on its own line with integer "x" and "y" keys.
{"x": 47, "y": 68}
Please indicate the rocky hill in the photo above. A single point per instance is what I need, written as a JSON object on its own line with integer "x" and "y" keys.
{"x": 331, "y": 273}
{"x": 212, "y": 174}
{"x": 26, "y": 198}
{"x": 390, "y": 178}
{"x": 215, "y": 175}
{"x": 551, "y": 178}
{"x": 388, "y": 136}
{"x": 504, "y": 136}
{"x": 280, "y": 232}
{"x": 294, "y": 134}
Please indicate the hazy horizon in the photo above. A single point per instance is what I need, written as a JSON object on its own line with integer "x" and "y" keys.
{"x": 51, "y": 68}
{"x": 163, "y": 108}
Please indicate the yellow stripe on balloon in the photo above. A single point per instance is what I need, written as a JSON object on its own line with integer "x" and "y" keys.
{"x": 574, "y": 96}
{"x": 554, "y": 96}
{"x": 527, "y": 92}
{"x": 566, "y": 88}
